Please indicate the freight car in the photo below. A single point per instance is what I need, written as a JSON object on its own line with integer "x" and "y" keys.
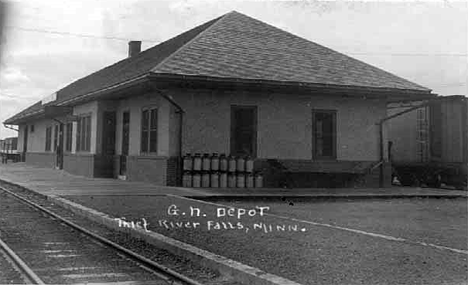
{"x": 8, "y": 149}
{"x": 429, "y": 145}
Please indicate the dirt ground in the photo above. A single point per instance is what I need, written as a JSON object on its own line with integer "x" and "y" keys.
{"x": 386, "y": 241}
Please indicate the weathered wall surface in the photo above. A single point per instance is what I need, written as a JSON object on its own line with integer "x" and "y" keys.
{"x": 21, "y": 129}
{"x": 90, "y": 108}
{"x": 135, "y": 105}
{"x": 37, "y": 139}
{"x": 284, "y": 123}
{"x": 284, "y": 129}
{"x": 41, "y": 159}
{"x": 144, "y": 168}
{"x": 82, "y": 164}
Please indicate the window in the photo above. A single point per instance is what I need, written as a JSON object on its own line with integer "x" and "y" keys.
{"x": 149, "y": 130}
{"x": 324, "y": 134}
{"x": 56, "y": 130}
{"x": 83, "y": 134}
{"x": 31, "y": 129}
{"x": 68, "y": 137}
{"x": 48, "y": 138}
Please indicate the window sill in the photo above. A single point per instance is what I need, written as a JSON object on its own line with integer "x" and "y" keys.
{"x": 318, "y": 159}
{"x": 150, "y": 156}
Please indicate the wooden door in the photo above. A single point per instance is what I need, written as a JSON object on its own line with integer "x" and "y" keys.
{"x": 108, "y": 143}
{"x": 244, "y": 131}
{"x": 125, "y": 142}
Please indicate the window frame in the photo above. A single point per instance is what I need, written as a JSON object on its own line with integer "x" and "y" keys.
{"x": 83, "y": 142}
{"x": 56, "y": 131}
{"x": 145, "y": 144}
{"x": 48, "y": 138}
{"x": 68, "y": 136}
{"x": 333, "y": 113}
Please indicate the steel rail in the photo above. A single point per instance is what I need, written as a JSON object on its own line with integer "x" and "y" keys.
{"x": 137, "y": 257}
{"x": 21, "y": 264}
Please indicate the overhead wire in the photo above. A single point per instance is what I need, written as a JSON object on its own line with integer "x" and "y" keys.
{"x": 75, "y": 34}
{"x": 155, "y": 41}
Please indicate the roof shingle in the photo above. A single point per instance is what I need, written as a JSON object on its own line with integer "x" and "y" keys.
{"x": 237, "y": 46}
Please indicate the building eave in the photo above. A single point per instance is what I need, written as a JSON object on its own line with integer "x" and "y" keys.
{"x": 303, "y": 87}
{"x": 389, "y": 94}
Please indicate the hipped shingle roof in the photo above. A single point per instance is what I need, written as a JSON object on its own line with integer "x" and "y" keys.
{"x": 237, "y": 46}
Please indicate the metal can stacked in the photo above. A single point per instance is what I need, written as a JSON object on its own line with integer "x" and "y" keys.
{"x": 219, "y": 171}
{"x": 258, "y": 180}
{"x": 196, "y": 180}
{"x": 215, "y": 162}
{"x": 214, "y": 180}
{"x": 187, "y": 179}
{"x": 205, "y": 180}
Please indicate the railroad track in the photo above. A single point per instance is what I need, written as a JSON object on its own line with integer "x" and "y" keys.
{"x": 46, "y": 248}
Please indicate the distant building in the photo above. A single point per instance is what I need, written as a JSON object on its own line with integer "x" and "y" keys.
{"x": 8, "y": 149}
{"x": 9, "y": 145}
{"x": 233, "y": 85}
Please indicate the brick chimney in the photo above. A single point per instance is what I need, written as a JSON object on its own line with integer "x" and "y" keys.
{"x": 134, "y": 48}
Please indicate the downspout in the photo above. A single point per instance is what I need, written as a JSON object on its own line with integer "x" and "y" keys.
{"x": 181, "y": 113}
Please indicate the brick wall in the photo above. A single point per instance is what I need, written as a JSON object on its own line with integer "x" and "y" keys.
{"x": 44, "y": 159}
{"x": 147, "y": 168}
{"x": 79, "y": 164}
{"x": 104, "y": 166}
{"x": 274, "y": 175}
{"x": 284, "y": 123}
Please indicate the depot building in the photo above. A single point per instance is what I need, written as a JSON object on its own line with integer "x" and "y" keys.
{"x": 237, "y": 86}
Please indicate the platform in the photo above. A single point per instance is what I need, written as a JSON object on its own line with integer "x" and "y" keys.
{"x": 57, "y": 182}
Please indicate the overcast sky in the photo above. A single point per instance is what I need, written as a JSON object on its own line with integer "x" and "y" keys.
{"x": 50, "y": 43}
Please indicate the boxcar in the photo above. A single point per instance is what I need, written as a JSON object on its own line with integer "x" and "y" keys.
{"x": 8, "y": 149}
{"x": 429, "y": 145}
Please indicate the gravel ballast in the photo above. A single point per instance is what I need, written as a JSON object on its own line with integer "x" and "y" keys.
{"x": 304, "y": 253}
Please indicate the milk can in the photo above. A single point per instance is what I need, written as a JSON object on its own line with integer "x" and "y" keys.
{"x": 215, "y": 162}
{"x": 258, "y": 181}
{"x": 214, "y": 180}
{"x": 188, "y": 162}
{"x": 196, "y": 180}
{"x": 240, "y": 164}
{"x": 240, "y": 180}
{"x": 187, "y": 179}
{"x": 232, "y": 180}
{"x": 232, "y": 164}
{"x": 197, "y": 162}
{"x": 223, "y": 177}
{"x": 206, "y": 162}
{"x": 249, "y": 181}
{"x": 249, "y": 164}
{"x": 205, "y": 180}
{"x": 223, "y": 162}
